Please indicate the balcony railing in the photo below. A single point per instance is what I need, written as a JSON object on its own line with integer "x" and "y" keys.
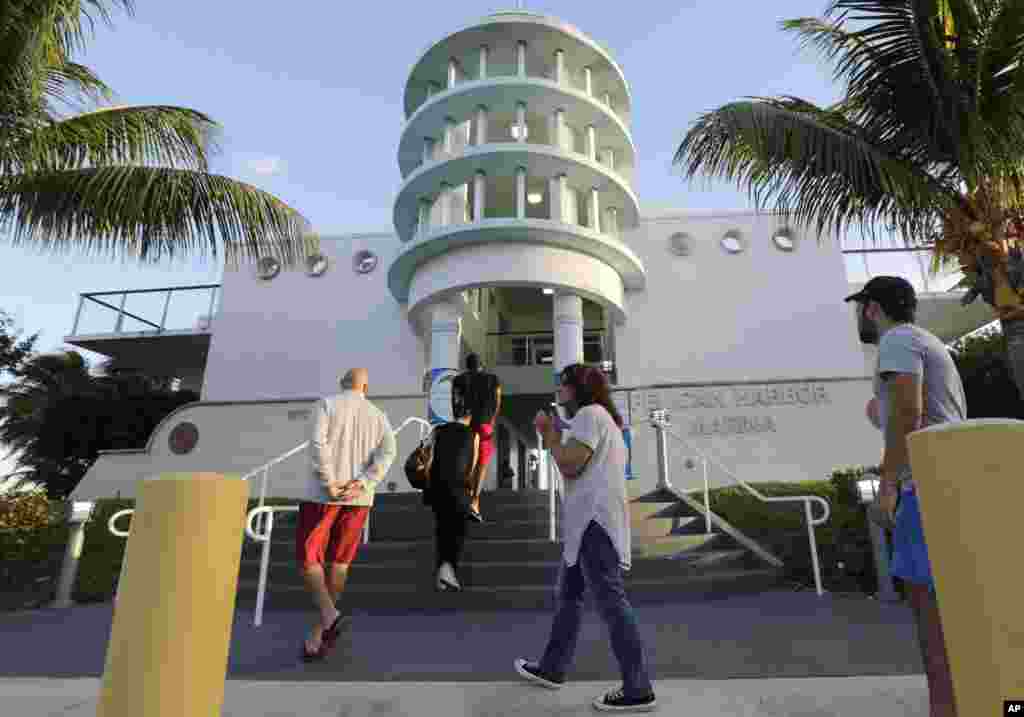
{"x": 147, "y": 310}
{"x": 538, "y": 348}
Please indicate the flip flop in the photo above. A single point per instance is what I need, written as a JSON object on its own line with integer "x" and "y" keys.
{"x": 316, "y": 656}
{"x": 331, "y": 634}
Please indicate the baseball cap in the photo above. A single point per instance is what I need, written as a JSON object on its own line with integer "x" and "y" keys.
{"x": 888, "y": 291}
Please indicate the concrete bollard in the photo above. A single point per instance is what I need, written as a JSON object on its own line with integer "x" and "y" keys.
{"x": 168, "y": 648}
{"x": 969, "y": 488}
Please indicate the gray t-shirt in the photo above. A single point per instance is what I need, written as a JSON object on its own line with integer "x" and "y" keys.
{"x": 911, "y": 349}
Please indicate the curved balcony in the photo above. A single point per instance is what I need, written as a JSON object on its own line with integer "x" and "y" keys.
{"x": 499, "y": 97}
{"x": 502, "y": 160}
{"x": 520, "y": 264}
{"x": 517, "y": 234}
{"x": 584, "y": 63}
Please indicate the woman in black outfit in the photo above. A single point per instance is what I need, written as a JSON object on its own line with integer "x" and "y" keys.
{"x": 456, "y": 449}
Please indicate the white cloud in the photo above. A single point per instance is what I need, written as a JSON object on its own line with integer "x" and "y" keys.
{"x": 265, "y": 166}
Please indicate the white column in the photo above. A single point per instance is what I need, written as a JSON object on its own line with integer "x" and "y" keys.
{"x": 557, "y": 187}
{"x": 559, "y": 67}
{"x": 592, "y": 142}
{"x": 558, "y": 129}
{"x": 521, "y": 193}
{"x": 453, "y": 72}
{"x": 568, "y": 328}
{"x": 483, "y": 62}
{"x": 521, "y": 58}
{"x": 449, "y": 136}
{"x": 428, "y": 149}
{"x": 609, "y": 158}
{"x": 594, "y": 215}
{"x": 521, "y": 121}
{"x": 611, "y": 221}
{"x": 446, "y": 204}
{"x": 479, "y": 195}
{"x": 481, "y": 125}
{"x": 425, "y": 207}
{"x": 445, "y": 332}
{"x": 588, "y": 81}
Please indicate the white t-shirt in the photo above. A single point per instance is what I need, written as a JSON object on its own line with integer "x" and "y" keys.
{"x": 600, "y": 493}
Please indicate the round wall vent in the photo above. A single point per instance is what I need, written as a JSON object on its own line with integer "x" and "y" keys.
{"x": 784, "y": 239}
{"x": 681, "y": 244}
{"x": 316, "y": 265}
{"x": 267, "y": 268}
{"x": 733, "y": 241}
{"x": 364, "y": 261}
{"x": 183, "y": 438}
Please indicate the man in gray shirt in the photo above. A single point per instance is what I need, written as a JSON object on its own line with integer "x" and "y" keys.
{"x": 916, "y": 384}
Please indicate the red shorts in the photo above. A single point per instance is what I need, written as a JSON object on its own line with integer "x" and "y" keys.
{"x": 486, "y": 433}
{"x": 329, "y": 533}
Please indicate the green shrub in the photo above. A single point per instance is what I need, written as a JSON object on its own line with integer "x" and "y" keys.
{"x": 102, "y": 553}
{"x": 25, "y": 511}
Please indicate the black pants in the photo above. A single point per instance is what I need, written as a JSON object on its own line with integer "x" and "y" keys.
{"x": 449, "y": 530}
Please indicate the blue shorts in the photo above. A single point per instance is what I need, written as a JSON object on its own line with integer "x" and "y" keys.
{"x": 909, "y": 551}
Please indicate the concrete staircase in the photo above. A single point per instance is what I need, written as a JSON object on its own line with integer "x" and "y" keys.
{"x": 509, "y": 561}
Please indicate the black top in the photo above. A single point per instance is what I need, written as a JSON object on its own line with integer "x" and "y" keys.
{"x": 476, "y": 392}
{"x": 453, "y": 457}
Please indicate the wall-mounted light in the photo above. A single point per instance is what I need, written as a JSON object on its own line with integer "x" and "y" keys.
{"x": 534, "y": 197}
{"x": 519, "y": 132}
{"x": 549, "y": 292}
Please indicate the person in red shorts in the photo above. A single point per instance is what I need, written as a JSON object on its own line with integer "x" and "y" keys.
{"x": 352, "y": 448}
{"x": 479, "y": 393}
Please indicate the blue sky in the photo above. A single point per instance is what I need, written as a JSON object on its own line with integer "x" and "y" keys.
{"x": 310, "y": 101}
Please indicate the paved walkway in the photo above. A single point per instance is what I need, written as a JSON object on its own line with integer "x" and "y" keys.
{"x": 777, "y": 653}
{"x": 821, "y": 697}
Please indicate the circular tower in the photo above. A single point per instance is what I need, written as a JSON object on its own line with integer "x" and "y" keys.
{"x": 517, "y": 162}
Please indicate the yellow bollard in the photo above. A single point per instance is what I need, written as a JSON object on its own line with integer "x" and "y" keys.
{"x": 168, "y": 648}
{"x": 970, "y": 493}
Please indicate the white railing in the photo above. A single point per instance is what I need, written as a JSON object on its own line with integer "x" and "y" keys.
{"x": 268, "y": 511}
{"x": 660, "y": 422}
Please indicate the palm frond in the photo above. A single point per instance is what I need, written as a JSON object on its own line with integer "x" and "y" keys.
{"x": 73, "y": 85}
{"x": 154, "y": 135}
{"x": 150, "y": 214}
{"x": 819, "y": 168}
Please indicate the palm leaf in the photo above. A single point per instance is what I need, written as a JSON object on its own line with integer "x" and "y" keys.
{"x": 151, "y": 214}
{"x": 820, "y": 168}
{"x": 154, "y": 135}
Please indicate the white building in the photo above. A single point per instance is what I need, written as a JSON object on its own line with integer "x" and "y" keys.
{"x": 517, "y": 235}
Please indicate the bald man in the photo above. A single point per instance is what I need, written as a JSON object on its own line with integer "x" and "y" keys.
{"x": 352, "y": 448}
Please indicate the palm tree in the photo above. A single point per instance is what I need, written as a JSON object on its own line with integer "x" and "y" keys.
{"x": 927, "y": 141}
{"x": 132, "y": 181}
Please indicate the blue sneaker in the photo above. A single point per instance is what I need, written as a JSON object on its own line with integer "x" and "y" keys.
{"x": 531, "y": 671}
{"x": 616, "y": 701}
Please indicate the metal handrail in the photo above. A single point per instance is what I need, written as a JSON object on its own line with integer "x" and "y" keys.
{"x": 812, "y": 522}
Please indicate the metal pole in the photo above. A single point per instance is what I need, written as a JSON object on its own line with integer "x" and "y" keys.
{"x": 213, "y": 300}
{"x": 659, "y": 432}
{"x": 78, "y": 314}
{"x": 69, "y": 568}
{"x": 707, "y": 499}
{"x": 120, "y": 314}
{"x": 814, "y": 548}
{"x": 264, "y": 568}
{"x": 167, "y": 304}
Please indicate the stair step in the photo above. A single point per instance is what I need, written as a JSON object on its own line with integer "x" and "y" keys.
{"x": 423, "y": 550}
{"x": 421, "y": 594}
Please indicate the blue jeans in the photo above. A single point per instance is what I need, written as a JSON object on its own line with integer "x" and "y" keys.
{"x": 599, "y": 562}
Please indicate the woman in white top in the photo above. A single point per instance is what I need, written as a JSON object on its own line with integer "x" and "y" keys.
{"x": 596, "y": 539}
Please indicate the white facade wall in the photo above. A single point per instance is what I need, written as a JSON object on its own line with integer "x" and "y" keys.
{"x": 295, "y": 335}
{"x": 760, "y": 315}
